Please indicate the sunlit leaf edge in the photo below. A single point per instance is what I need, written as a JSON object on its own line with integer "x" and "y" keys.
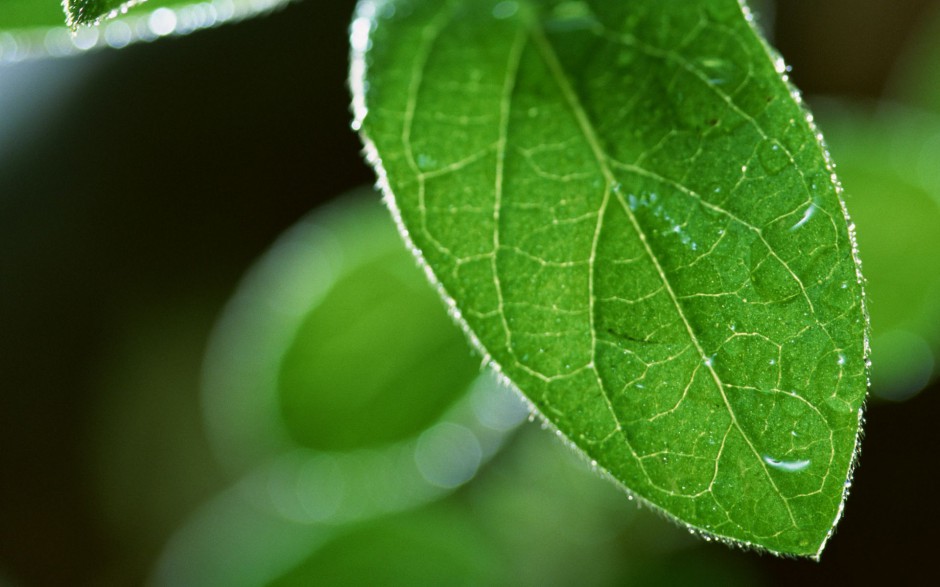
{"x": 902, "y": 135}
{"x": 360, "y": 44}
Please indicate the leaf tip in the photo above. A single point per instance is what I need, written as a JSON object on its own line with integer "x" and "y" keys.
{"x": 79, "y": 13}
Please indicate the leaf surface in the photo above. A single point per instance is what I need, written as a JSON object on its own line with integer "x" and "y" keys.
{"x": 636, "y": 221}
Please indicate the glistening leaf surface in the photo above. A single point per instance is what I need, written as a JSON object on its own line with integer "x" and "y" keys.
{"x": 637, "y": 222}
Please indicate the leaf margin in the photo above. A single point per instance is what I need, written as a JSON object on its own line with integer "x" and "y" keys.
{"x": 364, "y": 21}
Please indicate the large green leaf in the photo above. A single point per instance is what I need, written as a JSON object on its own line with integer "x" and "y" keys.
{"x": 637, "y": 222}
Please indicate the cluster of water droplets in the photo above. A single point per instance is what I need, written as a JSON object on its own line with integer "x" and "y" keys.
{"x": 652, "y": 202}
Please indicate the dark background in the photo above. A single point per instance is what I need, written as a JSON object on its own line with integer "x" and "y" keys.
{"x": 136, "y": 191}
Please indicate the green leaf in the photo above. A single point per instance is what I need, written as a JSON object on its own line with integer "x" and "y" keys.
{"x": 333, "y": 342}
{"x": 438, "y": 545}
{"x": 376, "y": 360}
{"x": 39, "y": 28}
{"x": 634, "y": 218}
{"x": 79, "y": 12}
{"x": 337, "y": 390}
{"x": 23, "y": 14}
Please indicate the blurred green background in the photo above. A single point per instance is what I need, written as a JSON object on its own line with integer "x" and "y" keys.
{"x": 137, "y": 188}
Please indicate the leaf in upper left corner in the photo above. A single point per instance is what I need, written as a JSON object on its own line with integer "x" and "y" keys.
{"x": 49, "y": 28}
{"x": 79, "y": 12}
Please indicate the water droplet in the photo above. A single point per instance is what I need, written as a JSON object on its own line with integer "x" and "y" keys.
{"x": 788, "y": 466}
{"x": 448, "y": 455}
{"x": 359, "y": 34}
{"x": 425, "y": 161}
{"x": 505, "y": 10}
{"x": 841, "y": 360}
{"x": 162, "y": 22}
{"x": 810, "y": 211}
{"x": 773, "y": 157}
{"x": 718, "y": 71}
{"x": 118, "y": 34}
{"x": 709, "y": 361}
{"x": 86, "y": 38}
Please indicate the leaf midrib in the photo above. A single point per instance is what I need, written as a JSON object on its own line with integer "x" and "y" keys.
{"x": 529, "y": 24}
{"x": 547, "y": 52}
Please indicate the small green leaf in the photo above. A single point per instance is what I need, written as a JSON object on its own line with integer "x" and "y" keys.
{"x": 79, "y": 12}
{"x": 39, "y": 28}
{"x": 636, "y": 221}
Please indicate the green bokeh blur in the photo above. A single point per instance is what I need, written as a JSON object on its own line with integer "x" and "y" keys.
{"x": 400, "y": 354}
